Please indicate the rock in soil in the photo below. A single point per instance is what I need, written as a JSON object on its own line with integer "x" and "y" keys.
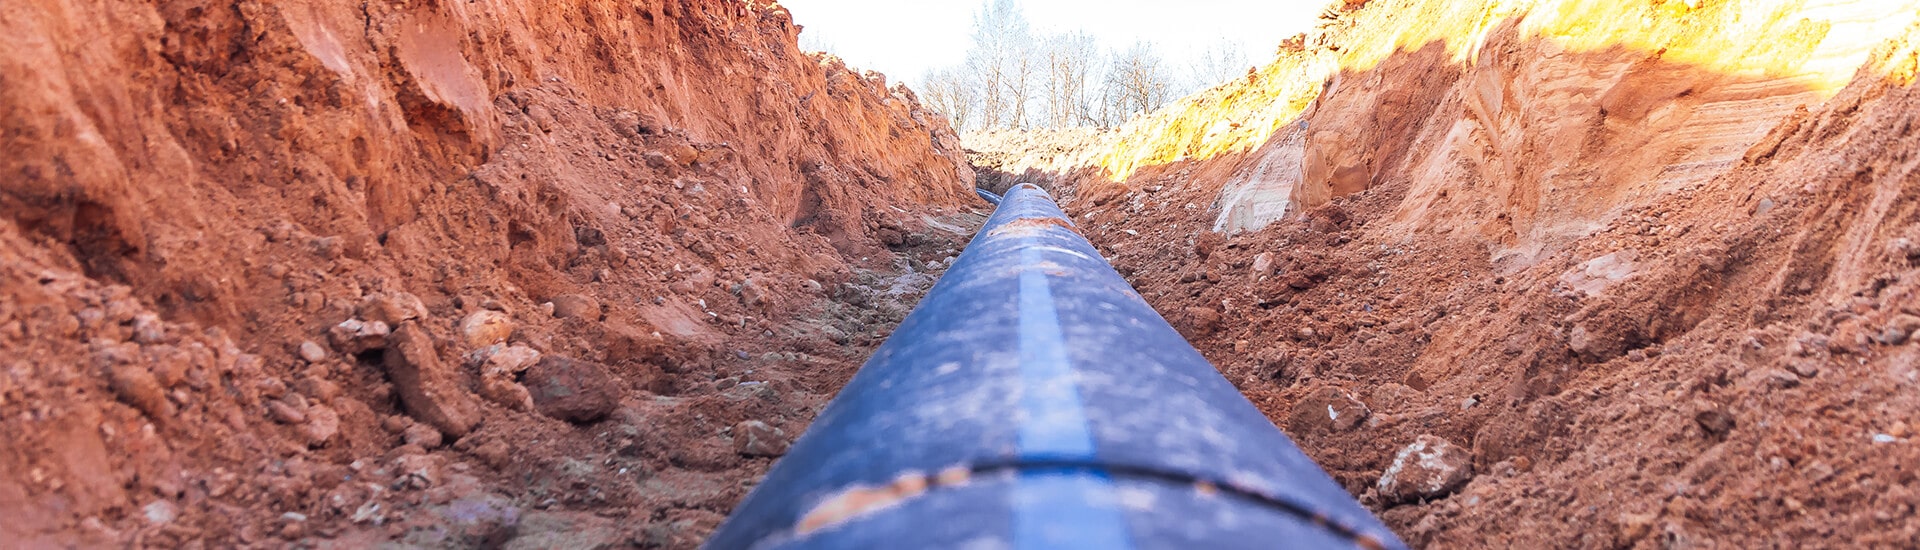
{"x": 575, "y": 306}
{"x": 354, "y": 336}
{"x": 392, "y": 308}
{"x": 312, "y": 353}
{"x": 426, "y": 387}
{"x": 322, "y": 424}
{"x": 1327, "y": 409}
{"x": 423, "y": 436}
{"x": 486, "y": 521}
{"x": 1430, "y": 468}
{"x": 756, "y": 438}
{"x": 285, "y": 413}
{"x": 485, "y": 328}
{"x": 572, "y": 390}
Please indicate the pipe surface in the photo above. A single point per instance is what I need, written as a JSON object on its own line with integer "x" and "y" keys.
{"x": 1034, "y": 400}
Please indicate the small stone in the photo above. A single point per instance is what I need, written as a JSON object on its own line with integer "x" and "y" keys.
{"x": 396, "y": 424}
{"x": 756, "y": 438}
{"x": 392, "y": 308}
{"x": 575, "y": 306}
{"x": 148, "y": 329}
{"x": 1883, "y": 439}
{"x": 137, "y": 387}
{"x": 753, "y": 292}
{"x": 1715, "y": 422}
{"x": 423, "y": 436}
{"x": 285, "y": 413}
{"x": 485, "y": 327}
{"x": 1429, "y": 468}
{"x": 1327, "y": 409}
{"x": 1780, "y": 379}
{"x": 354, "y": 336}
{"x": 1579, "y": 340}
{"x": 1202, "y": 321}
{"x": 322, "y": 424}
{"x": 510, "y": 360}
{"x": 1263, "y": 264}
{"x": 485, "y": 521}
{"x": 321, "y": 389}
{"x": 1804, "y": 369}
{"x": 160, "y": 512}
{"x": 312, "y": 353}
{"x": 571, "y": 390}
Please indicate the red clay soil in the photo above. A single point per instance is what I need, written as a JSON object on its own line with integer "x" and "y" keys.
{"x": 444, "y": 274}
{"x": 1727, "y": 362}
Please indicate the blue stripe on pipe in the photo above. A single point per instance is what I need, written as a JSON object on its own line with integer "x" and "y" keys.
{"x": 1051, "y": 511}
{"x": 1055, "y": 427}
{"x": 1055, "y": 508}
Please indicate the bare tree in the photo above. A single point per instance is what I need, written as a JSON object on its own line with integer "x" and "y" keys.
{"x": 949, "y": 92}
{"x": 1225, "y": 60}
{"x": 1013, "y": 80}
{"x": 1137, "y": 82}
{"x": 1000, "y": 63}
{"x": 1069, "y": 69}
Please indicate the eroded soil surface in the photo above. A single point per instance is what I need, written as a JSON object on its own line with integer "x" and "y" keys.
{"x": 1722, "y": 355}
{"x": 435, "y": 274}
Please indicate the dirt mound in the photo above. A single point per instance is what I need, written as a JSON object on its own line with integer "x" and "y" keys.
{"x": 442, "y": 273}
{"x": 1662, "y": 300}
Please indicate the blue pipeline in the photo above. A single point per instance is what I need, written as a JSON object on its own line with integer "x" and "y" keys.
{"x": 1034, "y": 400}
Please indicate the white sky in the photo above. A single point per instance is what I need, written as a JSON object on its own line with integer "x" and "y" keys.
{"x": 905, "y": 38}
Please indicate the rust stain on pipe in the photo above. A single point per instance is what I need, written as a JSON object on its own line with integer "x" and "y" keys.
{"x": 1029, "y": 226}
{"x": 860, "y": 500}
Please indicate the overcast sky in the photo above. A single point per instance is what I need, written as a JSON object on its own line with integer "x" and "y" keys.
{"x": 905, "y": 38}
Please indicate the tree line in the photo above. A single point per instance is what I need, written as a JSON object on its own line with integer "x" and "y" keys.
{"x": 1016, "y": 79}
